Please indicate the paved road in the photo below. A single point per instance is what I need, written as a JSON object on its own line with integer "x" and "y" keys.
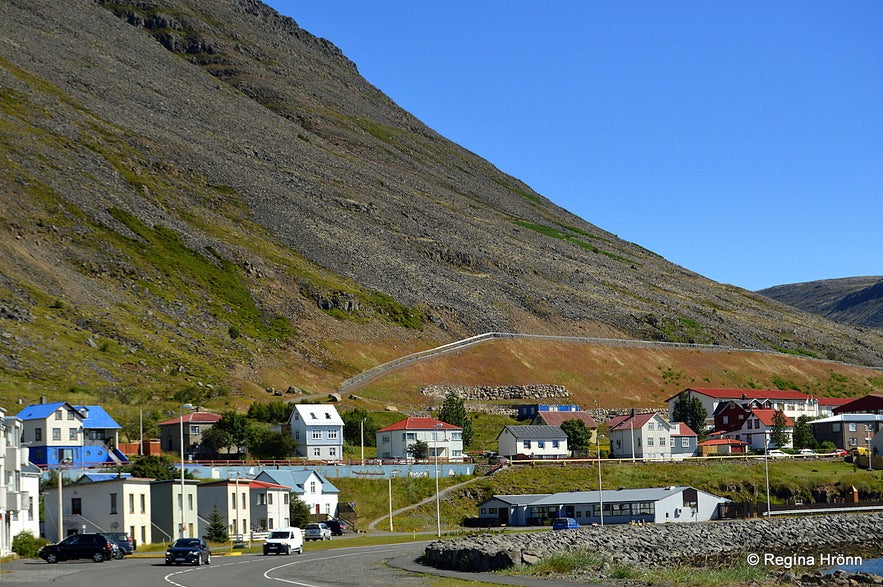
{"x": 362, "y": 566}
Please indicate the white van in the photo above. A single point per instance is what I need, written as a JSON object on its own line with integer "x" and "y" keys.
{"x": 284, "y": 541}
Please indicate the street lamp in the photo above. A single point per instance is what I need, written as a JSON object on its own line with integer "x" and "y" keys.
{"x": 181, "y": 423}
{"x": 766, "y": 465}
{"x": 437, "y": 503}
{"x": 600, "y": 495}
{"x": 392, "y": 474}
{"x": 61, "y": 462}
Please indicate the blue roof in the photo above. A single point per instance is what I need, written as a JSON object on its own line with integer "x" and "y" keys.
{"x": 296, "y": 479}
{"x": 97, "y": 477}
{"x": 96, "y": 416}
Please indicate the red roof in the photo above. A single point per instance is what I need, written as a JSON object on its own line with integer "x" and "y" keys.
{"x": 722, "y": 441}
{"x": 873, "y": 402}
{"x": 628, "y": 421}
{"x": 720, "y": 393}
{"x": 194, "y": 418}
{"x": 419, "y": 424}
{"x": 834, "y": 401}
{"x": 766, "y": 417}
{"x": 681, "y": 429}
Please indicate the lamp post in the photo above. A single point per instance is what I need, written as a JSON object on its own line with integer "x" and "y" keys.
{"x": 392, "y": 474}
{"x": 600, "y": 494}
{"x": 437, "y": 502}
{"x": 181, "y": 422}
{"x": 766, "y": 465}
{"x": 61, "y": 462}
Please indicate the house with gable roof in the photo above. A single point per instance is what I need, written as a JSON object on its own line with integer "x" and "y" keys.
{"x": 195, "y": 424}
{"x": 318, "y": 431}
{"x": 556, "y": 418}
{"x": 793, "y": 403}
{"x": 639, "y": 436}
{"x": 309, "y": 486}
{"x": 60, "y": 433}
{"x": 19, "y": 485}
{"x": 533, "y": 442}
{"x": 443, "y": 440}
{"x": 757, "y": 429}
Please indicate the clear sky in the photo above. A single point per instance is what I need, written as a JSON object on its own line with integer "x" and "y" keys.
{"x": 742, "y": 139}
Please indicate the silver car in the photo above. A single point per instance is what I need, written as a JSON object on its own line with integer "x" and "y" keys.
{"x": 317, "y": 531}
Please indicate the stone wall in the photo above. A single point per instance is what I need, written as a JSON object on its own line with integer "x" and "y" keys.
{"x": 665, "y": 544}
{"x": 531, "y": 393}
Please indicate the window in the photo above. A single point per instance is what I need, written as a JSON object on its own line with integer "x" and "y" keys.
{"x": 143, "y": 504}
{"x": 555, "y": 444}
{"x": 384, "y": 438}
{"x": 541, "y": 444}
{"x": 284, "y": 499}
{"x": 332, "y": 434}
{"x": 526, "y": 444}
{"x": 194, "y": 430}
{"x": 269, "y": 498}
{"x": 71, "y": 416}
{"x": 685, "y": 442}
{"x": 189, "y": 501}
{"x": 317, "y": 435}
{"x": 852, "y": 426}
{"x": 72, "y": 434}
{"x": 38, "y": 434}
{"x": 662, "y": 441}
{"x": 672, "y": 440}
{"x": 651, "y": 426}
{"x": 77, "y": 506}
{"x": 725, "y": 420}
{"x": 56, "y": 434}
{"x": 113, "y": 503}
{"x": 649, "y": 441}
{"x": 456, "y": 436}
{"x": 853, "y": 442}
{"x": 332, "y": 451}
{"x": 131, "y": 503}
{"x": 409, "y": 436}
{"x": 312, "y": 487}
{"x": 483, "y": 510}
{"x": 317, "y": 452}
{"x": 58, "y": 415}
{"x": 262, "y": 499}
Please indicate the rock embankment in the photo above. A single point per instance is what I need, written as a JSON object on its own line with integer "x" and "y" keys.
{"x": 670, "y": 544}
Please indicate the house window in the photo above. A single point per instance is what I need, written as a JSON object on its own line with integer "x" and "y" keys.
{"x": 853, "y": 442}
{"x": 71, "y": 416}
{"x": 38, "y": 434}
{"x": 662, "y": 441}
{"x": 312, "y": 487}
{"x": 685, "y": 442}
{"x": 384, "y": 438}
{"x": 409, "y": 436}
{"x": 72, "y": 434}
{"x": 297, "y": 434}
{"x": 269, "y": 498}
{"x": 131, "y": 503}
{"x": 618, "y": 443}
{"x": 113, "y": 503}
{"x": 332, "y": 451}
{"x": 58, "y": 415}
{"x": 262, "y": 499}
{"x": 672, "y": 440}
{"x": 332, "y": 434}
{"x": 483, "y": 511}
{"x": 526, "y": 444}
{"x": 194, "y": 430}
{"x": 541, "y": 444}
{"x": 317, "y": 452}
{"x": 456, "y": 436}
{"x": 56, "y": 434}
{"x": 143, "y": 504}
{"x": 317, "y": 435}
{"x": 284, "y": 499}
{"x": 190, "y": 502}
{"x": 651, "y": 426}
{"x": 555, "y": 444}
{"x": 77, "y": 506}
{"x": 649, "y": 441}
{"x": 852, "y": 426}
{"x": 726, "y": 419}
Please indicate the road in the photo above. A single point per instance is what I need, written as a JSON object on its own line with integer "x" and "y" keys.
{"x": 362, "y": 566}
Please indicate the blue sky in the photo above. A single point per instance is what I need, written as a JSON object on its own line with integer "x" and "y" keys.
{"x": 741, "y": 140}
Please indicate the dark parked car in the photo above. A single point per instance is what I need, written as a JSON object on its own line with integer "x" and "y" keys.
{"x": 192, "y": 551}
{"x": 94, "y": 546}
{"x": 125, "y": 545}
{"x": 565, "y": 524}
{"x": 337, "y": 527}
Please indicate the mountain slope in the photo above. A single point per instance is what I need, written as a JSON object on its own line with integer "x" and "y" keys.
{"x": 200, "y": 198}
{"x": 851, "y": 300}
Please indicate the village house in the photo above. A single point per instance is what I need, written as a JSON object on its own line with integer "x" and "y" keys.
{"x": 443, "y": 440}
{"x": 683, "y": 441}
{"x": 118, "y": 504}
{"x": 60, "y": 433}
{"x": 621, "y": 506}
{"x": 793, "y": 403}
{"x": 556, "y": 418}
{"x": 166, "y": 509}
{"x": 722, "y": 446}
{"x": 318, "y": 431}
{"x": 532, "y": 442}
{"x": 194, "y": 424}
{"x": 639, "y": 436}
{"x": 868, "y": 404}
{"x": 230, "y": 497}
{"x": 19, "y": 485}
{"x": 847, "y": 431}
{"x": 307, "y": 485}
{"x": 757, "y": 430}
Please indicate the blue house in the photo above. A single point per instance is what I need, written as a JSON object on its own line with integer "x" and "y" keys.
{"x": 684, "y": 441}
{"x": 77, "y": 436}
{"x": 530, "y": 411}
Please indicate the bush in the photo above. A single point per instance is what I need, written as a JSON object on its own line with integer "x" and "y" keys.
{"x": 26, "y": 544}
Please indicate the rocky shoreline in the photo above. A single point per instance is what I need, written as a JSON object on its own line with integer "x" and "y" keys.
{"x": 780, "y": 544}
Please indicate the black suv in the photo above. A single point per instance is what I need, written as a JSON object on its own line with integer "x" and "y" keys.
{"x": 94, "y": 546}
{"x": 125, "y": 545}
{"x": 338, "y": 527}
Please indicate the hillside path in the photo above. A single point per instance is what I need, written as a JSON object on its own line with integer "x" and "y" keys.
{"x": 442, "y": 493}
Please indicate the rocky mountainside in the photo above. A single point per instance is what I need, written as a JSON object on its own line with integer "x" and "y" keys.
{"x": 199, "y": 196}
{"x": 851, "y": 300}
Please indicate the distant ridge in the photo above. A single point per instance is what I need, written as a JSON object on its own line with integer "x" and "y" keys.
{"x": 850, "y": 300}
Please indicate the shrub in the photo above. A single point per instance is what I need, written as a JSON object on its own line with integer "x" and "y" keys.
{"x": 26, "y": 545}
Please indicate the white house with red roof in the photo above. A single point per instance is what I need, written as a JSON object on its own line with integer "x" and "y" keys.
{"x": 757, "y": 430}
{"x": 793, "y": 403}
{"x": 644, "y": 436}
{"x": 444, "y": 440}
{"x": 194, "y": 425}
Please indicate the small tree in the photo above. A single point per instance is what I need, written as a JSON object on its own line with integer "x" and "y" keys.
{"x": 353, "y": 428}
{"x": 779, "y": 429}
{"x": 802, "y": 436}
{"x": 419, "y": 450}
{"x": 26, "y": 545}
{"x": 690, "y": 411}
{"x": 453, "y": 411}
{"x": 216, "y": 531}
{"x": 270, "y": 444}
{"x": 579, "y": 436}
{"x": 298, "y": 511}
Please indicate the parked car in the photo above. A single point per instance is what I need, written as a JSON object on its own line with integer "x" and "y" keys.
{"x": 94, "y": 546}
{"x": 317, "y": 531}
{"x": 565, "y": 524}
{"x": 838, "y": 452}
{"x": 777, "y": 453}
{"x": 337, "y": 527}
{"x": 124, "y": 544}
{"x": 807, "y": 452}
{"x": 284, "y": 541}
{"x": 192, "y": 551}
